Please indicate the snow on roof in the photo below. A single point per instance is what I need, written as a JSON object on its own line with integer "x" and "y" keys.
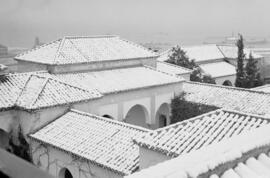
{"x": 230, "y": 51}
{"x": 34, "y": 91}
{"x": 264, "y": 88}
{"x": 70, "y": 50}
{"x": 172, "y": 69}
{"x": 218, "y": 69}
{"x": 100, "y": 140}
{"x": 117, "y": 80}
{"x": 233, "y": 98}
{"x": 198, "y": 132}
{"x": 3, "y": 67}
{"x": 242, "y": 156}
{"x": 203, "y": 52}
{"x": 198, "y": 53}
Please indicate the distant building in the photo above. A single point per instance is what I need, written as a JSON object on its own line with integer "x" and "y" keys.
{"x": 219, "y": 61}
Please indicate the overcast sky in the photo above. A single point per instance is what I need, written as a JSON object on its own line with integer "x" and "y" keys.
{"x": 139, "y": 20}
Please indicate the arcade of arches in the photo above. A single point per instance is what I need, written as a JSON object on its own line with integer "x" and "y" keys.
{"x": 138, "y": 115}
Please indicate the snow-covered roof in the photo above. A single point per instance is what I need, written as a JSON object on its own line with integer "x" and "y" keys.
{"x": 242, "y": 156}
{"x": 172, "y": 69}
{"x": 209, "y": 52}
{"x": 230, "y": 51}
{"x": 3, "y": 67}
{"x": 71, "y": 50}
{"x": 203, "y": 52}
{"x": 199, "y": 53}
{"x": 245, "y": 100}
{"x": 218, "y": 69}
{"x": 102, "y": 141}
{"x": 264, "y": 88}
{"x": 195, "y": 133}
{"x": 117, "y": 80}
{"x": 35, "y": 90}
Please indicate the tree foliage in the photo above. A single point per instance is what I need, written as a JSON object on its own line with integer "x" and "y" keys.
{"x": 179, "y": 57}
{"x": 20, "y": 149}
{"x": 240, "y": 73}
{"x": 182, "y": 110}
{"x": 253, "y": 78}
{"x": 247, "y": 76}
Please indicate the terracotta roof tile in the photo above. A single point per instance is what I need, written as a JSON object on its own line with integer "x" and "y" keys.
{"x": 117, "y": 80}
{"x": 245, "y": 100}
{"x": 198, "y": 132}
{"x": 70, "y": 50}
{"x": 35, "y": 90}
{"x": 172, "y": 69}
{"x": 110, "y": 140}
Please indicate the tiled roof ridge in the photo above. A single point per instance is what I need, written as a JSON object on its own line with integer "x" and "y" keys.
{"x": 36, "y": 48}
{"x": 155, "y": 69}
{"x": 139, "y": 46}
{"x": 241, "y": 113}
{"x": 58, "y": 49}
{"x": 92, "y": 36}
{"x": 40, "y": 89}
{"x": 227, "y": 87}
{"x": 76, "y": 47}
{"x": 25, "y": 84}
{"x": 184, "y": 68}
{"x": 116, "y": 122}
{"x": 70, "y": 85}
{"x": 190, "y": 120}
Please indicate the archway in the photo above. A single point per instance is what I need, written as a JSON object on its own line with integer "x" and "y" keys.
{"x": 108, "y": 116}
{"x": 227, "y": 83}
{"x": 137, "y": 115}
{"x": 65, "y": 173}
{"x": 162, "y": 115}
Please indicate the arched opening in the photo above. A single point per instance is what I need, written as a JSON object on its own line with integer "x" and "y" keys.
{"x": 162, "y": 115}
{"x": 108, "y": 116}
{"x": 137, "y": 115}
{"x": 65, "y": 173}
{"x": 227, "y": 83}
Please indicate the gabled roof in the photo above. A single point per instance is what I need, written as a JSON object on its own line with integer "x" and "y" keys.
{"x": 172, "y": 69}
{"x": 71, "y": 50}
{"x": 100, "y": 140}
{"x": 242, "y": 156}
{"x": 230, "y": 51}
{"x": 218, "y": 69}
{"x": 199, "y": 53}
{"x": 209, "y": 52}
{"x": 34, "y": 90}
{"x": 232, "y": 98}
{"x": 198, "y": 132}
{"x": 118, "y": 80}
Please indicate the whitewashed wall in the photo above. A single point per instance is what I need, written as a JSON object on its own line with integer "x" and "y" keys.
{"x": 53, "y": 160}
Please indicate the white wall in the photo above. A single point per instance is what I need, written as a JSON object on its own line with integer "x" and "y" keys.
{"x": 220, "y": 80}
{"x": 149, "y": 158}
{"x": 53, "y": 160}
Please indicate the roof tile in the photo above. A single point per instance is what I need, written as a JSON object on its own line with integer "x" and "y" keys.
{"x": 110, "y": 140}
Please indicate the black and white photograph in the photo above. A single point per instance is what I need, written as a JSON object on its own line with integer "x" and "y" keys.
{"x": 134, "y": 89}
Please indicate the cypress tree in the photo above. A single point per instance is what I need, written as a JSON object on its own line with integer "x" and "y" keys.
{"x": 251, "y": 71}
{"x": 240, "y": 73}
